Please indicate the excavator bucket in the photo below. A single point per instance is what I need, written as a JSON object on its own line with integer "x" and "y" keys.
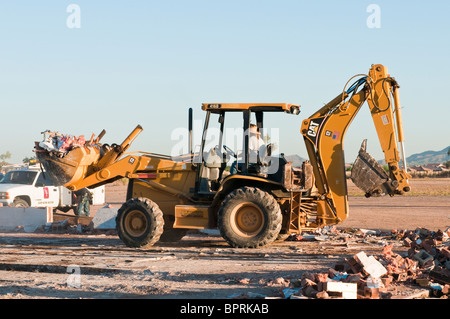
{"x": 368, "y": 175}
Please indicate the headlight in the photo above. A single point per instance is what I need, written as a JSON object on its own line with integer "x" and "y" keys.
{"x": 4, "y": 195}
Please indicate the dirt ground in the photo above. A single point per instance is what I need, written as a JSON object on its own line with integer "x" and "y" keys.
{"x": 202, "y": 266}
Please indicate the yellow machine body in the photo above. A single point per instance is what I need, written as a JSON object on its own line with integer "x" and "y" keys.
{"x": 312, "y": 196}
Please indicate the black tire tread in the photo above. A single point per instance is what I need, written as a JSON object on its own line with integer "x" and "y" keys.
{"x": 265, "y": 201}
{"x": 157, "y": 223}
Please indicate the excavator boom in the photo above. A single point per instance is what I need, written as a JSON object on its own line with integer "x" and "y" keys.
{"x": 324, "y": 133}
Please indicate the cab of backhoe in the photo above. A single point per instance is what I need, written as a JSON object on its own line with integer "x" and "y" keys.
{"x": 236, "y": 144}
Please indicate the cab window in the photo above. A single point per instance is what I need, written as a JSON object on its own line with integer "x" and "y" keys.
{"x": 43, "y": 180}
{"x": 19, "y": 177}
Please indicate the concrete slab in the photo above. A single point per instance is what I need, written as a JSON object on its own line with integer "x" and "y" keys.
{"x": 105, "y": 218}
{"x": 29, "y": 218}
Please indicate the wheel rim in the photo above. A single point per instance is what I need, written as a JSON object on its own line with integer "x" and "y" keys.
{"x": 21, "y": 204}
{"x": 247, "y": 220}
{"x": 135, "y": 223}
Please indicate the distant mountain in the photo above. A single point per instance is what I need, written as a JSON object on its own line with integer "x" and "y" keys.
{"x": 429, "y": 157}
{"x": 296, "y": 160}
{"x": 424, "y": 158}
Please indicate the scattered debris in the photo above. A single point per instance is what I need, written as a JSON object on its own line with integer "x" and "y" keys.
{"x": 426, "y": 265}
{"x": 422, "y": 271}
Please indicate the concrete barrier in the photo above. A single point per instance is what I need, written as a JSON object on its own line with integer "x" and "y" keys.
{"x": 29, "y": 218}
{"x": 105, "y": 218}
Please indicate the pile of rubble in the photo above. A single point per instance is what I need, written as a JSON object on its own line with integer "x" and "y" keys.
{"x": 56, "y": 142}
{"x": 426, "y": 265}
{"x": 61, "y": 144}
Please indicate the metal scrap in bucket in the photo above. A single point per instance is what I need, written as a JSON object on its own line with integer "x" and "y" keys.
{"x": 61, "y": 143}
{"x": 61, "y": 155}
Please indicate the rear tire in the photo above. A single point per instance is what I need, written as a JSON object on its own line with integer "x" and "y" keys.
{"x": 139, "y": 223}
{"x": 249, "y": 218}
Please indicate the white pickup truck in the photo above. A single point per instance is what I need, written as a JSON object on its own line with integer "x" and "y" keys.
{"x": 32, "y": 188}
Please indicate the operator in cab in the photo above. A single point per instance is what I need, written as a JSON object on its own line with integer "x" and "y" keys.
{"x": 255, "y": 144}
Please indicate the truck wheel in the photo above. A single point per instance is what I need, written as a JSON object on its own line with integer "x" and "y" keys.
{"x": 249, "y": 217}
{"x": 18, "y": 202}
{"x": 139, "y": 223}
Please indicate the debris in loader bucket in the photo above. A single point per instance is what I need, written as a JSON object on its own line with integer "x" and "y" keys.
{"x": 74, "y": 160}
{"x": 61, "y": 155}
{"x": 61, "y": 144}
{"x": 369, "y": 175}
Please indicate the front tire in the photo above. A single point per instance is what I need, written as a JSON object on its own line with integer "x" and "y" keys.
{"x": 249, "y": 218}
{"x": 139, "y": 223}
{"x": 19, "y": 202}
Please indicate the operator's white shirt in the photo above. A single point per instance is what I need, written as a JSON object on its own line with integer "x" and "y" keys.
{"x": 254, "y": 144}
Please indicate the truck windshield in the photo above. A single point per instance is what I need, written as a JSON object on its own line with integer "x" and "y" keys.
{"x": 19, "y": 177}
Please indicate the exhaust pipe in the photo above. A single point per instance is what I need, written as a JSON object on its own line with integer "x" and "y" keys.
{"x": 190, "y": 120}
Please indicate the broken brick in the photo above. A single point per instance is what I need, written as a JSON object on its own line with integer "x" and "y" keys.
{"x": 442, "y": 276}
{"x": 422, "y": 282}
{"x": 321, "y": 277}
{"x": 322, "y": 295}
{"x": 423, "y": 232}
{"x": 387, "y": 280}
{"x": 353, "y": 278}
{"x": 280, "y": 281}
{"x": 332, "y": 273}
{"x": 309, "y": 276}
{"x": 373, "y": 293}
{"x": 355, "y": 266}
{"x": 407, "y": 242}
{"x": 387, "y": 250}
{"x": 446, "y": 289}
{"x": 401, "y": 276}
{"x": 439, "y": 236}
{"x": 372, "y": 277}
{"x": 429, "y": 244}
{"x": 445, "y": 251}
{"x": 423, "y": 258}
{"x": 307, "y": 282}
{"x": 309, "y": 291}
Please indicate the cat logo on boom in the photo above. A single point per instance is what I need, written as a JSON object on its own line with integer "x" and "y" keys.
{"x": 314, "y": 127}
{"x": 312, "y": 130}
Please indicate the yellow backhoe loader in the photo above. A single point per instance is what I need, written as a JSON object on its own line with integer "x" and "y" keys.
{"x": 263, "y": 196}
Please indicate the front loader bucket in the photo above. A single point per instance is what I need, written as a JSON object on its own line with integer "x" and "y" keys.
{"x": 368, "y": 174}
{"x": 74, "y": 165}
{"x": 80, "y": 162}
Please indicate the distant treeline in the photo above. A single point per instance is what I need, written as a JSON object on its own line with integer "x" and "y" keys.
{"x": 442, "y": 174}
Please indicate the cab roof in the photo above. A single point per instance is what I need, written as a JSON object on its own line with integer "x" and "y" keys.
{"x": 269, "y": 107}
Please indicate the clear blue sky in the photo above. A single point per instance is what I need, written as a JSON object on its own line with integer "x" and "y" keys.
{"x": 146, "y": 62}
